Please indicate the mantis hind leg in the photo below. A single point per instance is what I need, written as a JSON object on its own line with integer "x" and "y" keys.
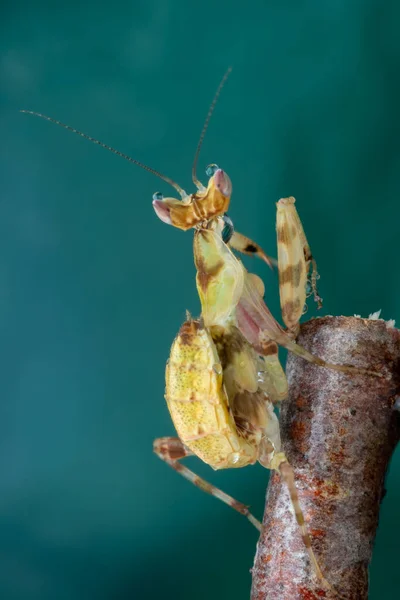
{"x": 287, "y": 474}
{"x": 171, "y": 450}
{"x": 279, "y": 462}
{"x": 300, "y": 351}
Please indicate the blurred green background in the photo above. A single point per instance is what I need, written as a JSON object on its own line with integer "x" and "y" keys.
{"x": 93, "y": 287}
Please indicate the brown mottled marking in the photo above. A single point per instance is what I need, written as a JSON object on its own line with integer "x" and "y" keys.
{"x": 291, "y": 306}
{"x": 282, "y": 237}
{"x": 292, "y": 274}
{"x": 170, "y": 448}
{"x": 293, "y": 248}
{"x": 205, "y": 276}
{"x": 269, "y": 348}
{"x": 187, "y": 331}
{"x": 307, "y": 254}
{"x": 228, "y": 343}
{"x": 242, "y": 508}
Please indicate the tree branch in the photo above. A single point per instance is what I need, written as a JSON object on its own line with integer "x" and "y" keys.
{"x": 339, "y": 433}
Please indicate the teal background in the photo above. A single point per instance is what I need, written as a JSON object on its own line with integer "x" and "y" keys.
{"x": 93, "y": 287}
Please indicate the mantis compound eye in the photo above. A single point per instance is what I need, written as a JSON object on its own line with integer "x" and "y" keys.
{"x": 223, "y": 183}
{"x": 228, "y": 229}
{"x": 221, "y": 179}
{"x": 158, "y": 196}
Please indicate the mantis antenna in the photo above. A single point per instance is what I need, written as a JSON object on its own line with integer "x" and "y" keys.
{"x": 178, "y": 188}
{"x": 196, "y": 182}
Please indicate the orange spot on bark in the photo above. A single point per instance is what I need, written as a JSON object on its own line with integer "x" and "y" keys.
{"x": 318, "y": 533}
{"x": 338, "y": 457}
{"x": 309, "y": 595}
{"x": 301, "y": 402}
{"x": 267, "y": 558}
{"x": 332, "y": 489}
{"x": 302, "y": 477}
{"x": 298, "y": 430}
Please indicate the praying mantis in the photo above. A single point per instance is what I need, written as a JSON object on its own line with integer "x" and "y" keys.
{"x": 219, "y": 390}
{"x": 224, "y": 377}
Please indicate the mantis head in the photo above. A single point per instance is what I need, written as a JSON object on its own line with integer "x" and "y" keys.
{"x": 207, "y": 203}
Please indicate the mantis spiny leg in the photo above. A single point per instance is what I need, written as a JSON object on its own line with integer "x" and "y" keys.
{"x": 171, "y": 450}
{"x": 287, "y": 474}
{"x": 245, "y": 245}
{"x": 278, "y": 462}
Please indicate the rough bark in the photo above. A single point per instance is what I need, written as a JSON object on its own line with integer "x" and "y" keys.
{"x": 339, "y": 432}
